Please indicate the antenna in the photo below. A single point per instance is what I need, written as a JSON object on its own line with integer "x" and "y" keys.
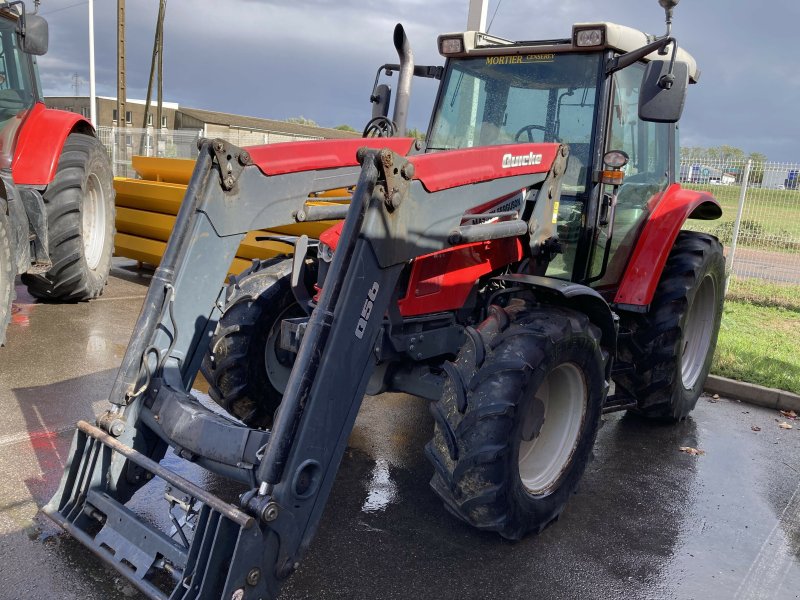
{"x": 76, "y": 84}
{"x": 668, "y": 6}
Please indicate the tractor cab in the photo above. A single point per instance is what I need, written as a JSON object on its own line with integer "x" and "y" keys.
{"x": 600, "y": 91}
{"x": 21, "y": 38}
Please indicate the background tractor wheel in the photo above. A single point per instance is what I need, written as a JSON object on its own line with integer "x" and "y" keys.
{"x": 672, "y": 345}
{"x": 246, "y": 370}
{"x": 80, "y": 221}
{"x": 518, "y": 417}
{"x": 6, "y": 275}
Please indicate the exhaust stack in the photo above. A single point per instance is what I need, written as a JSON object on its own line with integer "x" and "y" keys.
{"x": 405, "y": 77}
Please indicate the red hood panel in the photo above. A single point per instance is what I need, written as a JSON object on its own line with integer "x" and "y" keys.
{"x": 295, "y": 157}
{"x": 443, "y": 170}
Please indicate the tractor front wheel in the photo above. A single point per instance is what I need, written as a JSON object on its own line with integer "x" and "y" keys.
{"x": 246, "y": 369}
{"x": 80, "y": 224}
{"x": 518, "y": 417}
{"x": 672, "y": 345}
{"x": 6, "y": 276}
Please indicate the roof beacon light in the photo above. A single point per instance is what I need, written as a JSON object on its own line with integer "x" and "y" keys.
{"x": 451, "y": 45}
{"x": 589, "y": 37}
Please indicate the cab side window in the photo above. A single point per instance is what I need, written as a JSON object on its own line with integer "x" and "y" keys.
{"x": 646, "y": 174}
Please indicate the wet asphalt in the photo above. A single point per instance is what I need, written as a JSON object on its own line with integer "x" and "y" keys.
{"x": 648, "y": 521}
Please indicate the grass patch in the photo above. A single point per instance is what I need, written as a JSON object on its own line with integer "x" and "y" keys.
{"x": 764, "y": 293}
{"x": 769, "y": 220}
{"x": 758, "y": 343}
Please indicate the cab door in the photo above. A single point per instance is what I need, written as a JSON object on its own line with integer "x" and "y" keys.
{"x": 651, "y": 150}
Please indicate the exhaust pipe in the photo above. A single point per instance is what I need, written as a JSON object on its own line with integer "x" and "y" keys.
{"x": 406, "y": 76}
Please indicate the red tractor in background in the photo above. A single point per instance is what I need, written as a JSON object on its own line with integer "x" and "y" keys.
{"x": 57, "y": 197}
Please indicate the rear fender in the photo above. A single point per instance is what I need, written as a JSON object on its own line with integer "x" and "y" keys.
{"x": 575, "y": 296}
{"x": 40, "y": 142}
{"x": 652, "y": 249}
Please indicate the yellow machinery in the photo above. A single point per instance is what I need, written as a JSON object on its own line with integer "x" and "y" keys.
{"x": 146, "y": 210}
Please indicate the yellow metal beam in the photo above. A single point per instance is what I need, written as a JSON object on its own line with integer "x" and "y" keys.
{"x": 164, "y": 198}
{"x": 168, "y": 170}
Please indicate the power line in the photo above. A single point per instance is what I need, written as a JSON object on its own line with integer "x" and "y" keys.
{"x": 55, "y": 10}
{"x": 496, "y": 8}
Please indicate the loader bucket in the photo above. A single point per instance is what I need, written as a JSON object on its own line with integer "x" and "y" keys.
{"x": 197, "y": 554}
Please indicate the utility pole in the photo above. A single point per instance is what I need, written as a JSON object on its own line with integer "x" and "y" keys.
{"x": 155, "y": 62}
{"x": 163, "y": 7}
{"x": 121, "y": 87}
{"x": 476, "y": 15}
{"x": 92, "y": 91}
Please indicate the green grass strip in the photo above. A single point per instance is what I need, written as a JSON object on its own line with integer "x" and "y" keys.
{"x": 759, "y": 344}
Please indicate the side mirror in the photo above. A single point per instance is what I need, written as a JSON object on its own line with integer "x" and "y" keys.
{"x": 380, "y": 100}
{"x": 662, "y": 95}
{"x": 34, "y": 37}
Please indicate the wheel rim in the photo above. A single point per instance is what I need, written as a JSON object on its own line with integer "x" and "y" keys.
{"x": 557, "y": 412}
{"x": 277, "y": 361}
{"x": 93, "y": 222}
{"x": 697, "y": 332}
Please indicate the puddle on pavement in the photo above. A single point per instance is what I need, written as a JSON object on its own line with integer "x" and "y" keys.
{"x": 381, "y": 489}
{"x": 20, "y": 314}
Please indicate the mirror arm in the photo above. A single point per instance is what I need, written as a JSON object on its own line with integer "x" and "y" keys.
{"x": 22, "y": 14}
{"x": 620, "y": 62}
{"x": 666, "y": 81}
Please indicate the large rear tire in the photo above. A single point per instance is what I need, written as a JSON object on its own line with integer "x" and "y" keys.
{"x": 246, "y": 369}
{"x": 81, "y": 224}
{"x": 518, "y": 417}
{"x": 672, "y": 345}
{"x": 6, "y": 275}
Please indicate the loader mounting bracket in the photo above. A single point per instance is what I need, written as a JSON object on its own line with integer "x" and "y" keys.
{"x": 231, "y": 160}
{"x": 395, "y": 174}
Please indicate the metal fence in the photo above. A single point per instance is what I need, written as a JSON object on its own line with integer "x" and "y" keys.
{"x": 124, "y": 142}
{"x": 760, "y": 225}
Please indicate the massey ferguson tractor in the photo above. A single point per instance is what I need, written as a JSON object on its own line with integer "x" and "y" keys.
{"x": 524, "y": 269}
{"x": 57, "y": 197}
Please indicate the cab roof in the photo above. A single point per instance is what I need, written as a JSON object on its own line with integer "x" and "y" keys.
{"x": 615, "y": 37}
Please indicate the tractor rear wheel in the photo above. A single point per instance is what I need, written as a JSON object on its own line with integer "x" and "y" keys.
{"x": 6, "y": 276}
{"x": 518, "y": 417}
{"x": 246, "y": 370}
{"x": 672, "y": 345}
{"x": 80, "y": 222}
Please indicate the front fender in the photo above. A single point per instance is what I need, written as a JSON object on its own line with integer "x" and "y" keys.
{"x": 656, "y": 240}
{"x": 40, "y": 142}
{"x": 575, "y": 296}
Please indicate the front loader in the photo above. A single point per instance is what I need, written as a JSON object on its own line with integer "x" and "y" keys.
{"x": 510, "y": 280}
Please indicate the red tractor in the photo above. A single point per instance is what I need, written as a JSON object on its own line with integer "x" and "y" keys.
{"x": 515, "y": 268}
{"x": 57, "y": 197}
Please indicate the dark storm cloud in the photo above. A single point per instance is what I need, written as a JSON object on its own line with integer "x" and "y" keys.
{"x": 317, "y": 58}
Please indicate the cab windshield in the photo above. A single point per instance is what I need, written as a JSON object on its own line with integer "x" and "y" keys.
{"x": 492, "y": 100}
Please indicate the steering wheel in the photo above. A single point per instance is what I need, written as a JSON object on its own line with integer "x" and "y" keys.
{"x": 380, "y": 127}
{"x": 528, "y": 129}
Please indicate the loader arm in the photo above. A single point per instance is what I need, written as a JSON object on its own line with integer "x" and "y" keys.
{"x": 401, "y": 209}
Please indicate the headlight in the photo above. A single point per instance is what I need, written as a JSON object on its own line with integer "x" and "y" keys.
{"x": 615, "y": 159}
{"x": 324, "y": 252}
{"x": 451, "y": 45}
{"x": 588, "y": 37}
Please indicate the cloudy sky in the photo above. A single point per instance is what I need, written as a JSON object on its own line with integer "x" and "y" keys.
{"x": 317, "y": 58}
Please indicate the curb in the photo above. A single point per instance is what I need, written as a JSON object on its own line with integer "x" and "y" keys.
{"x": 752, "y": 393}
